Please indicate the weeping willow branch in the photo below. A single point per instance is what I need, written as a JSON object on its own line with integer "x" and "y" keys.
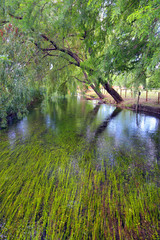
{"x": 16, "y": 17}
{"x": 64, "y": 50}
{"x": 79, "y": 79}
{"x": 63, "y": 67}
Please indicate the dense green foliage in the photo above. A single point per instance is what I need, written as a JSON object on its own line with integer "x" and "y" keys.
{"x": 134, "y": 46}
{"x": 17, "y": 87}
{"x": 81, "y": 43}
{"x": 52, "y": 185}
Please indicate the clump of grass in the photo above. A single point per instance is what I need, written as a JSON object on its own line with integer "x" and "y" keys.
{"x": 60, "y": 191}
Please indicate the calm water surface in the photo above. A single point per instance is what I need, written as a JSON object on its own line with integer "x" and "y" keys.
{"x": 71, "y": 165}
{"x": 106, "y": 129}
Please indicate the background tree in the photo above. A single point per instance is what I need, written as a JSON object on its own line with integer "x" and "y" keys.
{"x": 134, "y": 43}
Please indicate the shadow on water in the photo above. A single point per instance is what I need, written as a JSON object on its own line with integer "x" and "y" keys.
{"x": 104, "y": 125}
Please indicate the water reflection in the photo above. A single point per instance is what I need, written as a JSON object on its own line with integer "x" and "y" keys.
{"x": 107, "y": 128}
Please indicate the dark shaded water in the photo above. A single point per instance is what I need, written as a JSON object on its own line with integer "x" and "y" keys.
{"x": 106, "y": 129}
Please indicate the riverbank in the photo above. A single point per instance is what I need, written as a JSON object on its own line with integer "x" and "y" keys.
{"x": 14, "y": 116}
{"x": 149, "y": 106}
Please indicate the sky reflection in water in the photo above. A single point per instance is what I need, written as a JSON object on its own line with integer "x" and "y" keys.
{"x": 122, "y": 131}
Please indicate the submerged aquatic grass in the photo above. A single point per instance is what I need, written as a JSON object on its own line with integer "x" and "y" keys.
{"x": 62, "y": 192}
{"x": 56, "y": 185}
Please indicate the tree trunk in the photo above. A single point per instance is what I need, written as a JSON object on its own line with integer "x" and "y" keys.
{"x": 77, "y": 62}
{"x": 96, "y": 90}
{"x": 112, "y": 92}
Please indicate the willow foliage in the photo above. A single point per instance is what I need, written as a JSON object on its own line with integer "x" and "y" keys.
{"x": 85, "y": 42}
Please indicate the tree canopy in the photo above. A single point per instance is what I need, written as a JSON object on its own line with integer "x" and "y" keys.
{"x": 62, "y": 44}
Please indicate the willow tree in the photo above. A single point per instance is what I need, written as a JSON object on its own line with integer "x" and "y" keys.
{"x": 91, "y": 40}
{"x": 133, "y": 47}
{"x": 14, "y": 82}
{"x": 19, "y": 80}
{"x": 69, "y": 31}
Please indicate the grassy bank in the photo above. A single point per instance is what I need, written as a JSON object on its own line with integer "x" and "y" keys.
{"x": 150, "y": 106}
{"x": 54, "y": 188}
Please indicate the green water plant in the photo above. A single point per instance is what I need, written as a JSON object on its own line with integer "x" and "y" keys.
{"x": 51, "y": 189}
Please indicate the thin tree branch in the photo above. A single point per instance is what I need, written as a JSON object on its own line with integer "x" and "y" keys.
{"x": 67, "y": 51}
{"x": 43, "y": 7}
{"x": 79, "y": 79}
{"x": 62, "y": 67}
{"x": 16, "y": 17}
{"x": 73, "y": 55}
{"x": 54, "y": 55}
{"x": 3, "y": 22}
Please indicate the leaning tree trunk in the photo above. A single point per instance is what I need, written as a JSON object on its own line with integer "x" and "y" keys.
{"x": 112, "y": 92}
{"x": 95, "y": 89}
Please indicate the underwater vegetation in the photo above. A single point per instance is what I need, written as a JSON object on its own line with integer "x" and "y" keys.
{"x": 56, "y": 185}
{"x": 62, "y": 192}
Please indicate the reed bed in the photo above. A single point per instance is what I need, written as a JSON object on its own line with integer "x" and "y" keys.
{"x": 55, "y": 188}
